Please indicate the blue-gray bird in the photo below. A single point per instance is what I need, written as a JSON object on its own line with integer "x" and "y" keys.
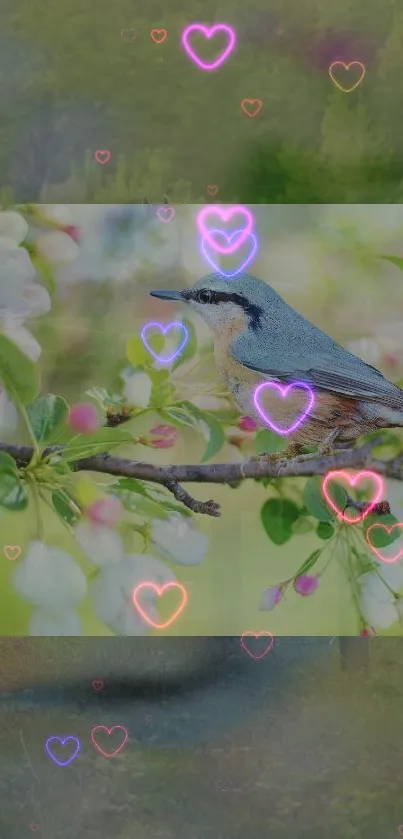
{"x": 258, "y": 337}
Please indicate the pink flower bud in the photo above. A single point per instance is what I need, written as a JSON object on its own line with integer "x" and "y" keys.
{"x": 247, "y": 424}
{"x": 270, "y": 598}
{"x": 163, "y": 437}
{"x": 83, "y": 418}
{"x": 74, "y": 231}
{"x": 367, "y": 630}
{"x": 306, "y": 584}
{"x": 106, "y": 511}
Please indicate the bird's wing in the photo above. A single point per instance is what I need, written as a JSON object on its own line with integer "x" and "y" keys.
{"x": 358, "y": 381}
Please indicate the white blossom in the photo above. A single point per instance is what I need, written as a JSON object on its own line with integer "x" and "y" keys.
{"x": 102, "y": 545}
{"x": 57, "y": 247}
{"x": 137, "y": 390}
{"x": 179, "y": 541}
{"x": 49, "y": 577}
{"x": 377, "y": 602}
{"x": 48, "y": 623}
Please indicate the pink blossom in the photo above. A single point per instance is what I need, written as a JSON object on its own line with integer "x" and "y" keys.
{"x": 163, "y": 436}
{"x": 247, "y": 424}
{"x": 270, "y": 597}
{"x": 306, "y": 584}
{"x": 367, "y": 630}
{"x": 74, "y": 231}
{"x": 106, "y": 511}
{"x": 84, "y": 418}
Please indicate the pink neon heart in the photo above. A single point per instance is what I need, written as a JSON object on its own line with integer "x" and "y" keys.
{"x": 283, "y": 390}
{"x": 165, "y": 214}
{"x": 109, "y": 731}
{"x": 257, "y": 635}
{"x": 209, "y": 32}
{"x": 376, "y": 551}
{"x": 225, "y": 215}
{"x": 159, "y": 590}
{"x": 352, "y": 480}
{"x": 102, "y": 156}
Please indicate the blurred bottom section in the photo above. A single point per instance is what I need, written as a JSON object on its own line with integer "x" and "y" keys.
{"x": 194, "y": 738}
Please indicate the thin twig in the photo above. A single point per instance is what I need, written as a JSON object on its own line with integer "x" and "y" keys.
{"x": 218, "y": 473}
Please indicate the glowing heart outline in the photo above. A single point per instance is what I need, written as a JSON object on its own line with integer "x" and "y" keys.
{"x": 377, "y": 550}
{"x": 208, "y": 32}
{"x": 165, "y": 210}
{"x": 160, "y": 590}
{"x": 244, "y": 264}
{"x": 283, "y": 392}
{"x": 164, "y": 330}
{"x": 352, "y": 480}
{"x": 63, "y": 741}
{"x": 109, "y": 731}
{"x": 347, "y": 67}
{"x": 250, "y": 633}
{"x": 225, "y": 216}
{"x": 12, "y": 549}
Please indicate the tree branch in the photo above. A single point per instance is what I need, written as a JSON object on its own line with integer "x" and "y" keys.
{"x": 221, "y": 473}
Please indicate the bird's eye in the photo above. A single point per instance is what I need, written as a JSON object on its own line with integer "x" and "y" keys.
{"x": 205, "y": 296}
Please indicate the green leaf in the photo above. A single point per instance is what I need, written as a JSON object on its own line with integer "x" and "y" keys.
{"x": 314, "y": 500}
{"x": 89, "y": 445}
{"x": 46, "y": 271}
{"x": 13, "y": 493}
{"x": 179, "y": 416}
{"x": 278, "y": 516}
{"x": 65, "y": 506}
{"x": 301, "y": 526}
{"x": 214, "y": 434}
{"x": 190, "y": 348}
{"x": 267, "y": 443}
{"x": 136, "y": 352}
{"x": 325, "y": 530}
{"x": 46, "y": 415}
{"x": 309, "y": 563}
{"x": 139, "y": 503}
{"x": 380, "y": 538}
{"x": 18, "y": 374}
{"x": 395, "y": 260}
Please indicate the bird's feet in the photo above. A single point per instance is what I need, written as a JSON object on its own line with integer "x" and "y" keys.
{"x": 279, "y": 459}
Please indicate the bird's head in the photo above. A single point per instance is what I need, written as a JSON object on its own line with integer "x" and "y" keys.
{"x": 220, "y": 301}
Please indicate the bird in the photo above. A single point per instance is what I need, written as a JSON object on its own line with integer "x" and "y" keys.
{"x": 258, "y": 337}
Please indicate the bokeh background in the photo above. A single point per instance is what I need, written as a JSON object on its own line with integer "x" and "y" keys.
{"x": 76, "y": 78}
{"x": 327, "y": 262}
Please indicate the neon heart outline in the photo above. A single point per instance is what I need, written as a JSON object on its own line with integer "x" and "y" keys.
{"x": 109, "y": 731}
{"x": 212, "y": 189}
{"x": 352, "y": 480}
{"x": 389, "y": 531}
{"x": 251, "y": 101}
{"x": 160, "y": 590}
{"x": 165, "y": 210}
{"x": 347, "y": 67}
{"x": 208, "y": 32}
{"x": 225, "y": 216}
{"x": 228, "y": 237}
{"x": 12, "y": 548}
{"x": 249, "y": 633}
{"x": 102, "y": 151}
{"x": 159, "y": 40}
{"x": 164, "y": 330}
{"x": 98, "y": 684}
{"x": 63, "y": 741}
{"x": 283, "y": 391}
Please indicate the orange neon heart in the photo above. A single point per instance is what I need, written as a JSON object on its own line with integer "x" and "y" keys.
{"x": 376, "y": 551}
{"x": 160, "y": 590}
{"x": 347, "y": 67}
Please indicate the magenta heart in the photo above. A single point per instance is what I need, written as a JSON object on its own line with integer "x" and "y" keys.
{"x": 284, "y": 392}
{"x": 165, "y": 214}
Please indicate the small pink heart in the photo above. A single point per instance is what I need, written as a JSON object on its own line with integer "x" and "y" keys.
{"x": 165, "y": 214}
{"x": 284, "y": 391}
{"x": 246, "y": 638}
{"x": 97, "y": 684}
{"x": 102, "y": 156}
{"x": 12, "y": 551}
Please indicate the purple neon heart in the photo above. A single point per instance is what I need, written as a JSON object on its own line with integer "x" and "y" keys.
{"x": 63, "y": 741}
{"x": 164, "y": 330}
{"x": 251, "y": 237}
{"x": 283, "y": 389}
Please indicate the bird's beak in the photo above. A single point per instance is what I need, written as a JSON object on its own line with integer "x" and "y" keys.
{"x": 167, "y": 295}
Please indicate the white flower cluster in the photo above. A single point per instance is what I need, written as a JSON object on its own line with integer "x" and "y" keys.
{"x": 51, "y": 580}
